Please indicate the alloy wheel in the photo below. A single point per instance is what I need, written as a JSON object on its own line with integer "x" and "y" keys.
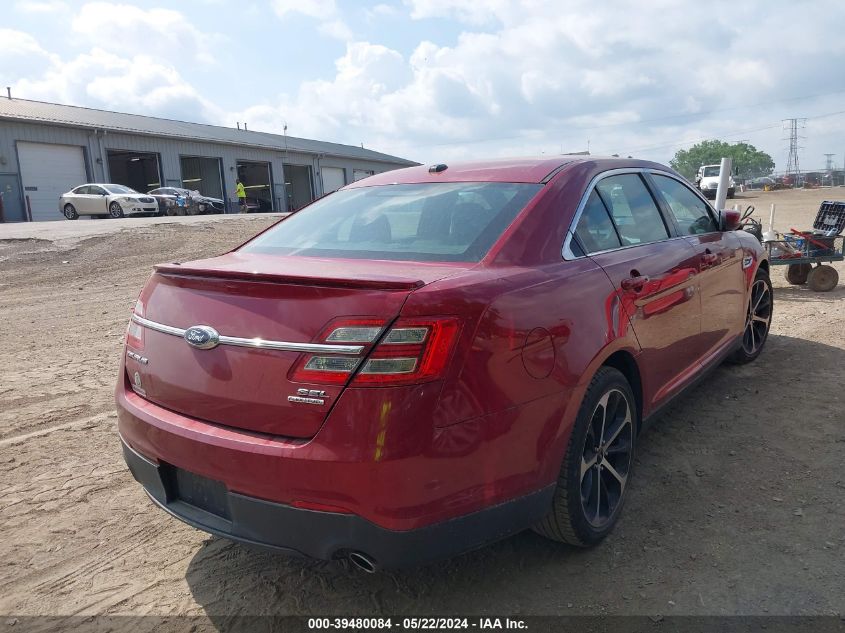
{"x": 606, "y": 458}
{"x": 759, "y": 317}
{"x": 115, "y": 210}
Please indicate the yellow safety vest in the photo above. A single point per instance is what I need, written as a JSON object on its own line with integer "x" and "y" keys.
{"x": 241, "y": 192}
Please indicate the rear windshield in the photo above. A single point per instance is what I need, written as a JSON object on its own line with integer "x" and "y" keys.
{"x": 421, "y": 222}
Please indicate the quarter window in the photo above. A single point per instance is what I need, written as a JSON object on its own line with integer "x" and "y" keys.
{"x": 689, "y": 210}
{"x": 595, "y": 231}
{"x": 633, "y": 210}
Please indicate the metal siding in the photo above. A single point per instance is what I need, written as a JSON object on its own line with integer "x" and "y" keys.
{"x": 170, "y": 149}
{"x": 118, "y": 122}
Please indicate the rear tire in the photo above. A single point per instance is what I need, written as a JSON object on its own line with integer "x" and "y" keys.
{"x": 69, "y": 212}
{"x": 115, "y": 210}
{"x": 758, "y": 319}
{"x": 823, "y": 278}
{"x": 596, "y": 470}
{"x": 796, "y": 274}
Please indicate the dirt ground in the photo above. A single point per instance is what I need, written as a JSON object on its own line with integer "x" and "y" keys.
{"x": 737, "y": 505}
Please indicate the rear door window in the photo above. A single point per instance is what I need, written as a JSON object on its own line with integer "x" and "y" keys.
{"x": 690, "y": 212}
{"x": 595, "y": 231}
{"x": 633, "y": 210}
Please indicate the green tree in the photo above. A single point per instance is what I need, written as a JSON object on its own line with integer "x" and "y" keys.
{"x": 748, "y": 161}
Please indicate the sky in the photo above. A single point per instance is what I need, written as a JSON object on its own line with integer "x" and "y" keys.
{"x": 440, "y": 80}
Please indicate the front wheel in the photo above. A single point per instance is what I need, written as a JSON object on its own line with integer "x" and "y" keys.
{"x": 69, "y": 212}
{"x": 594, "y": 477}
{"x": 758, "y": 319}
{"x": 115, "y": 210}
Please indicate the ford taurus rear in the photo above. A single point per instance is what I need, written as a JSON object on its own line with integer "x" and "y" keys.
{"x": 392, "y": 375}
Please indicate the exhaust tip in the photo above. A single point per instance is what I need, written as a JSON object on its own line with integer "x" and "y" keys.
{"x": 363, "y": 562}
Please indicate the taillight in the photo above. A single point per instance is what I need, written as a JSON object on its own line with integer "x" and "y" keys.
{"x": 412, "y": 351}
{"x": 335, "y": 369}
{"x": 134, "y": 332}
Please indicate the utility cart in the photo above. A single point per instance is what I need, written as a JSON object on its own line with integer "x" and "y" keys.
{"x": 807, "y": 254}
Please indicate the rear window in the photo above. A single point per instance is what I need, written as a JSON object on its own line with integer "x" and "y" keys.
{"x": 420, "y": 222}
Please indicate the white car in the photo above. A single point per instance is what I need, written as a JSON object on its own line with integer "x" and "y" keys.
{"x": 115, "y": 201}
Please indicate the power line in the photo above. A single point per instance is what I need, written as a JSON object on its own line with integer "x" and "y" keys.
{"x": 726, "y": 134}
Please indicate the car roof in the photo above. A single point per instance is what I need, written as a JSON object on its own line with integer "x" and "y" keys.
{"x": 526, "y": 170}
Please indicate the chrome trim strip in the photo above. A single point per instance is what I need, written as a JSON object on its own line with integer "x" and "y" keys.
{"x": 285, "y": 346}
{"x": 158, "y": 327}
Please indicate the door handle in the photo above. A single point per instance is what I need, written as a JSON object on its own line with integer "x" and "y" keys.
{"x": 634, "y": 283}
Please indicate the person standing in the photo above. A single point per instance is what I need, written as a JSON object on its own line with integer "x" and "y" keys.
{"x": 239, "y": 188}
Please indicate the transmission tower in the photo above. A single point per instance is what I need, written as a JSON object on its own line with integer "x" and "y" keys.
{"x": 793, "y": 126}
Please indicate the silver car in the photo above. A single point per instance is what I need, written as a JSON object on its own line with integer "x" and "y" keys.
{"x": 115, "y": 201}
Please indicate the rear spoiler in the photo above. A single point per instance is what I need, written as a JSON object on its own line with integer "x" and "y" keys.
{"x": 381, "y": 283}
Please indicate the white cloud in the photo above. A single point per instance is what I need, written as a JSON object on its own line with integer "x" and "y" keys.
{"x": 474, "y": 12}
{"x": 383, "y": 10}
{"x": 537, "y": 74}
{"x": 325, "y": 12}
{"x": 312, "y": 8}
{"x": 336, "y": 29}
{"x": 21, "y": 55}
{"x": 102, "y": 79}
{"x": 523, "y": 77}
{"x": 106, "y": 76}
{"x": 122, "y": 28}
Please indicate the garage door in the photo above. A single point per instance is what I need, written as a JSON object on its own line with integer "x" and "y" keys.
{"x": 48, "y": 171}
{"x": 333, "y": 179}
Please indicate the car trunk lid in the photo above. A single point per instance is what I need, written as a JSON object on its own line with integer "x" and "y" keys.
{"x": 264, "y": 301}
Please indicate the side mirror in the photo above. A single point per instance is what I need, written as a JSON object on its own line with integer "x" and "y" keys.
{"x": 729, "y": 220}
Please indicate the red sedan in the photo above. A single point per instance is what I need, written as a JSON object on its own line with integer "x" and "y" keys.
{"x": 435, "y": 358}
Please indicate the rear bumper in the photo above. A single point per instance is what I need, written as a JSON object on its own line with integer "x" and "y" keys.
{"x": 329, "y": 535}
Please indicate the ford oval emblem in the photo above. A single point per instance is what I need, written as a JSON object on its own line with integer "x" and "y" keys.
{"x": 202, "y": 337}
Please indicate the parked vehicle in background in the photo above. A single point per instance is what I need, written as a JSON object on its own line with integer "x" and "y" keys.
{"x": 708, "y": 181}
{"x": 762, "y": 182}
{"x": 196, "y": 202}
{"x": 111, "y": 200}
{"x": 435, "y": 358}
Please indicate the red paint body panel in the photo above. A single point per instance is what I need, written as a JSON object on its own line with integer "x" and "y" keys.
{"x": 533, "y": 329}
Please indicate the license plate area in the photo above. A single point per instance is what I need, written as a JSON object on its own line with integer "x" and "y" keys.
{"x": 197, "y": 491}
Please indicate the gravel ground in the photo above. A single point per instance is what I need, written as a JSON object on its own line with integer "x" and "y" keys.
{"x": 736, "y": 506}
